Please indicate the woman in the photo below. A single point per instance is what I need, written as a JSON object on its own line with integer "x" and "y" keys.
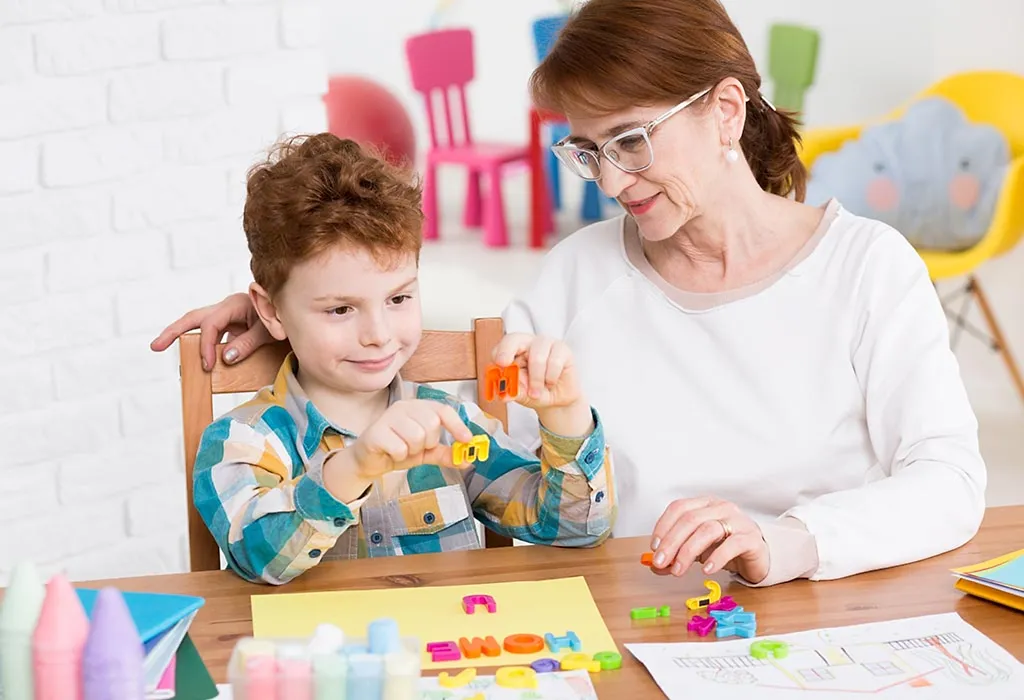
{"x": 776, "y": 380}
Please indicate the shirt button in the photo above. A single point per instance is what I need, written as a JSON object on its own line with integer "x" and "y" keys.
{"x": 339, "y": 522}
{"x": 314, "y": 553}
{"x": 591, "y": 456}
{"x": 429, "y": 518}
{"x": 598, "y": 497}
{"x": 376, "y": 538}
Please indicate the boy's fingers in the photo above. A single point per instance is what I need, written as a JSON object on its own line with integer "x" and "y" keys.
{"x": 453, "y": 423}
{"x": 412, "y": 432}
{"x": 536, "y": 365}
{"x": 556, "y": 364}
{"x": 442, "y": 457}
{"x": 510, "y": 347}
{"x": 392, "y": 444}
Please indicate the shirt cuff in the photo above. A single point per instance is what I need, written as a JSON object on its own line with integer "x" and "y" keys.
{"x": 584, "y": 454}
{"x": 318, "y": 506}
{"x": 792, "y": 552}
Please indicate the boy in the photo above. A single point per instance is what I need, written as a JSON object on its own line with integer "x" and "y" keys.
{"x": 341, "y": 458}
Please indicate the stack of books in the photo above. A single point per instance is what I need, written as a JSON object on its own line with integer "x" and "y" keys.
{"x": 1000, "y": 580}
{"x": 172, "y": 666}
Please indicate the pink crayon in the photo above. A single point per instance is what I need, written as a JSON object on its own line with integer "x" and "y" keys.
{"x": 58, "y": 642}
{"x": 112, "y": 661}
{"x": 261, "y": 678}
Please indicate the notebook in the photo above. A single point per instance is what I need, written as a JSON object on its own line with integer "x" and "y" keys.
{"x": 192, "y": 678}
{"x": 1000, "y": 580}
{"x": 163, "y": 621}
{"x": 153, "y": 613}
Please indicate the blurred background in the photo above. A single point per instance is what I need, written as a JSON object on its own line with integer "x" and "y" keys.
{"x": 126, "y": 128}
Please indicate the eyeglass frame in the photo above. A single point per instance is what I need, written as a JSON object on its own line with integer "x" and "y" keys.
{"x": 644, "y": 129}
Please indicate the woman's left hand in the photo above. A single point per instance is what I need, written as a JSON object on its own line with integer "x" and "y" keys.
{"x": 712, "y": 531}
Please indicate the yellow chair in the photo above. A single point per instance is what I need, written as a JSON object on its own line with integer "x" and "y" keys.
{"x": 990, "y": 97}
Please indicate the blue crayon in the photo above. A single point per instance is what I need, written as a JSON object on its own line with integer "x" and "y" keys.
{"x": 383, "y": 636}
{"x": 366, "y": 676}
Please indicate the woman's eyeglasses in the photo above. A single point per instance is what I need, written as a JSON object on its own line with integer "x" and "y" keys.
{"x": 630, "y": 151}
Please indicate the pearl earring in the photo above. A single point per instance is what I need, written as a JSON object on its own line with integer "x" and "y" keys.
{"x": 731, "y": 155}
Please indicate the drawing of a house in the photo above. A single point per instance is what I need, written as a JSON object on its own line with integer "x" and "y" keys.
{"x": 870, "y": 668}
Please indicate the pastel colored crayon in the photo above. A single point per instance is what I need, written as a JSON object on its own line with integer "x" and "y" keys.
{"x": 401, "y": 676}
{"x": 365, "y": 676}
{"x": 112, "y": 661}
{"x": 382, "y": 635}
{"x": 19, "y": 614}
{"x": 327, "y": 639}
{"x": 58, "y": 642}
{"x": 294, "y": 675}
{"x": 330, "y": 676}
{"x": 260, "y": 678}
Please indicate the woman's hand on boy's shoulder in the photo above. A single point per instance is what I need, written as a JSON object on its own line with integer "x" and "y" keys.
{"x": 233, "y": 316}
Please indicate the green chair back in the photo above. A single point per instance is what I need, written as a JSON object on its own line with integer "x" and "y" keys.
{"x": 792, "y": 60}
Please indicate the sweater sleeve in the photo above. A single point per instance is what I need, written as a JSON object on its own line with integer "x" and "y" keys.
{"x": 929, "y": 494}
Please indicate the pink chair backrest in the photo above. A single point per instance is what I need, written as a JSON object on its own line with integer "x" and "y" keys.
{"x": 443, "y": 61}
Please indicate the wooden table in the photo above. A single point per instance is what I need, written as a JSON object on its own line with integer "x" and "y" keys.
{"x": 619, "y": 582}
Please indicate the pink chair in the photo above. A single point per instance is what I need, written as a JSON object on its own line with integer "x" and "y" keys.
{"x": 442, "y": 61}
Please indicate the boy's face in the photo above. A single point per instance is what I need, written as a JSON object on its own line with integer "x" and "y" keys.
{"x": 351, "y": 322}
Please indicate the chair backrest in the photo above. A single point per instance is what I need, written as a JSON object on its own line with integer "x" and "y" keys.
{"x": 545, "y": 31}
{"x": 997, "y": 98}
{"x": 988, "y": 97}
{"x": 792, "y": 61}
{"x": 441, "y": 63}
{"x": 442, "y": 356}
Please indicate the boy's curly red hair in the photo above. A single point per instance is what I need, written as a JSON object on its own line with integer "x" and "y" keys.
{"x": 317, "y": 191}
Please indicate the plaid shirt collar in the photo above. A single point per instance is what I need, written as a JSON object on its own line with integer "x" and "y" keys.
{"x": 310, "y": 423}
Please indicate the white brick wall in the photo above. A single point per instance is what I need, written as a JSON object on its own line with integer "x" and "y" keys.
{"x": 126, "y": 127}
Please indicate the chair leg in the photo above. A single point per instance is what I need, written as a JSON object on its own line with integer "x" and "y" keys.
{"x": 471, "y": 216}
{"x": 997, "y": 334}
{"x": 554, "y": 180}
{"x": 430, "y": 212}
{"x": 495, "y": 233}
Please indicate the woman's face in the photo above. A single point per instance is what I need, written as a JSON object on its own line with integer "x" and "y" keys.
{"x": 686, "y": 169}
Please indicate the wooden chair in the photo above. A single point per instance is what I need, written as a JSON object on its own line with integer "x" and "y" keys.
{"x": 442, "y": 356}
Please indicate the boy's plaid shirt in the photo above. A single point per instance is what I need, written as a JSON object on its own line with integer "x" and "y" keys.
{"x": 259, "y": 487}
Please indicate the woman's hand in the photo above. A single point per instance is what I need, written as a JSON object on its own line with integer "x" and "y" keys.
{"x": 234, "y": 315}
{"x": 712, "y": 531}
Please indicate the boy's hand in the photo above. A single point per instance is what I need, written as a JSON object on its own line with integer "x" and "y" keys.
{"x": 406, "y": 436}
{"x": 547, "y": 378}
{"x": 547, "y": 382}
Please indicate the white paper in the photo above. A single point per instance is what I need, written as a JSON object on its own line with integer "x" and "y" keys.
{"x": 936, "y": 656}
{"x": 562, "y": 685}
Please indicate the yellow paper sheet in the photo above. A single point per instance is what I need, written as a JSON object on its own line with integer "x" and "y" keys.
{"x": 435, "y": 614}
{"x": 990, "y": 564}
